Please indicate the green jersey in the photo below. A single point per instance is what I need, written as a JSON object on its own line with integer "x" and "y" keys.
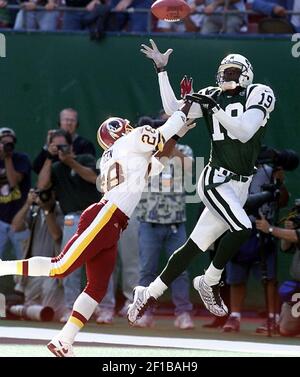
{"x": 226, "y": 150}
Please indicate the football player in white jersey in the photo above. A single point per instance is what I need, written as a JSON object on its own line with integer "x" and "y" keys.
{"x": 126, "y": 163}
{"x": 235, "y": 113}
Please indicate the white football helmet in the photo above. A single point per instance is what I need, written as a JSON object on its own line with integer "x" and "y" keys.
{"x": 236, "y": 61}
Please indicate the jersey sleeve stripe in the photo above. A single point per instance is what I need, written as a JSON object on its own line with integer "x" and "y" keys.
{"x": 161, "y": 142}
{"x": 250, "y": 91}
{"x": 258, "y": 107}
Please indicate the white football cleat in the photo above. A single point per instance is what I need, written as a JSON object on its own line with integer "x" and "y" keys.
{"x": 210, "y": 296}
{"x": 141, "y": 302}
{"x": 60, "y": 349}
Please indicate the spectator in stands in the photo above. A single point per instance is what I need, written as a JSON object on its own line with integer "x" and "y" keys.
{"x": 128, "y": 266}
{"x": 14, "y": 186}
{"x": 279, "y": 8}
{"x": 222, "y": 23}
{"x": 163, "y": 26}
{"x": 95, "y": 11}
{"x": 68, "y": 121}
{"x": 73, "y": 178}
{"x": 133, "y": 21}
{"x": 289, "y": 322}
{"x": 161, "y": 212}
{"x": 191, "y": 23}
{"x": 251, "y": 258}
{"x": 6, "y": 16}
{"x": 42, "y": 216}
{"x": 29, "y": 18}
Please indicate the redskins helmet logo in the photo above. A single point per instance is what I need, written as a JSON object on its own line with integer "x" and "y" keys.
{"x": 115, "y": 125}
{"x": 111, "y": 130}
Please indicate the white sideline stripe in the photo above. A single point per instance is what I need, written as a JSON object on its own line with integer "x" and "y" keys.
{"x": 149, "y": 341}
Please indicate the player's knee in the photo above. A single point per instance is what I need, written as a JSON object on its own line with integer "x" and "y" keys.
{"x": 97, "y": 293}
{"x": 59, "y": 275}
{"x": 58, "y": 271}
{"x": 244, "y": 234}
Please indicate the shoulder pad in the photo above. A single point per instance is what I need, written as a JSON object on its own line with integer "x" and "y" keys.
{"x": 254, "y": 88}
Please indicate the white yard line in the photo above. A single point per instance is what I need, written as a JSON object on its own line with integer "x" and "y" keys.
{"x": 149, "y": 341}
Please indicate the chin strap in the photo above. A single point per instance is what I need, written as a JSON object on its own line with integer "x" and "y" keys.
{"x": 228, "y": 85}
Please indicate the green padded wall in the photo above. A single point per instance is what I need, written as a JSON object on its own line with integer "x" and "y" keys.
{"x": 44, "y": 73}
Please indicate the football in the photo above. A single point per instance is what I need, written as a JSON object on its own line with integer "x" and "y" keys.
{"x": 170, "y": 10}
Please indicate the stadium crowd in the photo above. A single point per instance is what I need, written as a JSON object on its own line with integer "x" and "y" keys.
{"x": 100, "y": 16}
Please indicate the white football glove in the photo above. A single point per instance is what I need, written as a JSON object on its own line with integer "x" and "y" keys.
{"x": 188, "y": 125}
{"x": 159, "y": 59}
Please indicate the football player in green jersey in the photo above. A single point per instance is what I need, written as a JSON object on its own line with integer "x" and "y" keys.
{"x": 235, "y": 113}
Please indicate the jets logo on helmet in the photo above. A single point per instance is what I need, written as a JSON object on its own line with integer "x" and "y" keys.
{"x": 236, "y": 61}
{"x": 111, "y": 130}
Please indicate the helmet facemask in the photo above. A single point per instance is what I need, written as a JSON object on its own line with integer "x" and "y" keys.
{"x": 242, "y": 79}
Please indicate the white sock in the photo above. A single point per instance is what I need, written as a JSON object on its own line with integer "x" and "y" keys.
{"x": 36, "y": 266}
{"x": 236, "y": 315}
{"x": 212, "y": 275}
{"x": 83, "y": 309}
{"x": 157, "y": 288}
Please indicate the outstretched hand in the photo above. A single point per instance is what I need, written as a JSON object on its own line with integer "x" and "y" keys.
{"x": 188, "y": 125}
{"x": 159, "y": 59}
{"x": 186, "y": 86}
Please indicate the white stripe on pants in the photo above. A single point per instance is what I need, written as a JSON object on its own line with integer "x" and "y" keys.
{"x": 211, "y": 224}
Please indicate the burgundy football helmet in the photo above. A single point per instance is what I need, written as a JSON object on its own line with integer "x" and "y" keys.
{"x": 111, "y": 130}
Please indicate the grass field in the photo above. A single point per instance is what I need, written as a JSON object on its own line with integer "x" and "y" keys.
{"x": 27, "y": 350}
{"x": 27, "y": 339}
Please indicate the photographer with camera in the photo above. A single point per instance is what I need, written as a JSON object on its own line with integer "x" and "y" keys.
{"x": 15, "y": 171}
{"x": 68, "y": 121}
{"x": 257, "y": 256}
{"x": 267, "y": 194}
{"x": 42, "y": 216}
{"x": 73, "y": 178}
{"x": 289, "y": 322}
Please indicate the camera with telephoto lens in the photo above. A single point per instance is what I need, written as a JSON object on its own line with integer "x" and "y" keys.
{"x": 8, "y": 147}
{"x": 287, "y": 159}
{"x": 44, "y": 195}
{"x": 294, "y": 214}
{"x": 64, "y": 148}
{"x": 270, "y": 193}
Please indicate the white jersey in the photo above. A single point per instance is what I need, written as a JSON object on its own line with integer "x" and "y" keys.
{"x": 259, "y": 104}
{"x": 127, "y": 164}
